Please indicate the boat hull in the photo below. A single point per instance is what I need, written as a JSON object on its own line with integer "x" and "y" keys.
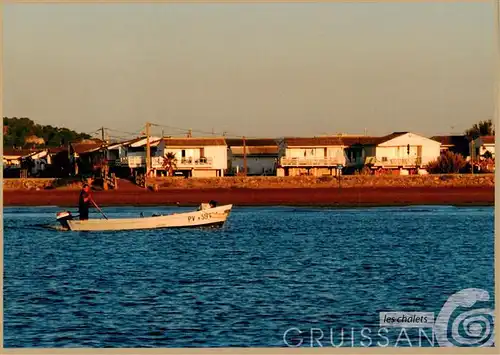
{"x": 215, "y": 216}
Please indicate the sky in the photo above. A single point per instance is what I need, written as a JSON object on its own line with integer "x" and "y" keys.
{"x": 258, "y": 70}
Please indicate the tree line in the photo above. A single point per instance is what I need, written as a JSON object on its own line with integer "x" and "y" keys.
{"x": 16, "y": 130}
{"x": 483, "y": 128}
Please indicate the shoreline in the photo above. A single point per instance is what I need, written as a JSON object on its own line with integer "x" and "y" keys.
{"x": 320, "y": 197}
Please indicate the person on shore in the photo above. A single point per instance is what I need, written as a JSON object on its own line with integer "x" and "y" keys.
{"x": 84, "y": 202}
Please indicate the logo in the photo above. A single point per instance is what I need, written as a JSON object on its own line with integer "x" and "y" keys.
{"x": 460, "y": 322}
{"x": 407, "y": 319}
{"x": 469, "y": 328}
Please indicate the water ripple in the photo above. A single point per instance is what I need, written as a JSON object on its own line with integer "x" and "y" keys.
{"x": 267, "y": 270}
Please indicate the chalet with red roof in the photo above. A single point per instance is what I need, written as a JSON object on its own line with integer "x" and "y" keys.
{"x": 328, "y": 155}
{"x": 193, "y": 156}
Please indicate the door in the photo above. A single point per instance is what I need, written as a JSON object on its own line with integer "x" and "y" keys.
{"x": 419, "y": 155}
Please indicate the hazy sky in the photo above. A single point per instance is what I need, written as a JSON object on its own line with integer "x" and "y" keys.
{"x": 251, "y": 69}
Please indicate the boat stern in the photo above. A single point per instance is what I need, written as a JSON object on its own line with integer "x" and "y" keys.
{"x": 63, "y": 218}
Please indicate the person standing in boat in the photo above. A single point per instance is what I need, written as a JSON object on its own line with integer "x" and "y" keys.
{"x": 84, "y": 202}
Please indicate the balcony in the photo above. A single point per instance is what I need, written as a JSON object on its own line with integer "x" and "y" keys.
{"x": 132, "y": 162}
{"x": 195, "y": 163}
{"x": 184, "y": 163}
{"x": 157, "y": 162}
{"x": 394, "y": 162}
{"x": 311, "y": 162}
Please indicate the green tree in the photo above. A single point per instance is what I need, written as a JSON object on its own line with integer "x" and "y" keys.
{"x": 17, "y": 129}
{"x": 170, "y": 163}
{"x": 483, "y": 128}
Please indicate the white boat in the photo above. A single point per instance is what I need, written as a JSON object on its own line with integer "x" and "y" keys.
{"x": 206, "y": 215}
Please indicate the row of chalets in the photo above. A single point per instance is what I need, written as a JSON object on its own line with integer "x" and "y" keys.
{"x": 402, "y": 152}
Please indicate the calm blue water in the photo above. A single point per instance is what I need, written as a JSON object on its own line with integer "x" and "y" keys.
{"x": 266, "y": 271}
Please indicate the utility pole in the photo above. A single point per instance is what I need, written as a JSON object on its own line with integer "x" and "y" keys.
{"x": 102, "y": 134}
{"x": 339, "y": 170}
{"x": 148, "y": 151}
{"x": 244, "y": 156}
{"x": 69, "y": 160}
{"x": 472, "y": 151}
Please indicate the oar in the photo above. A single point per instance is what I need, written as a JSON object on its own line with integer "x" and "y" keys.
{"x": 95, "y": 205}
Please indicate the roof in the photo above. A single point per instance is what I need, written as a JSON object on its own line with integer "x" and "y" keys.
{"x": 388, "y": 137}
{"x": 312, "y": 141}
{"x": 363, "y": 140}
{"x": 19, "y": 153}
{"x": 451, "y": 140}
{"x": 252, "y": 150}
{"x": 82, "y": 148}
{"x": 56, "y": 150}
{"x": 339, "y": 140}
{"x": 143, "y": 141}
{"x": 124, "y": 143}
{"x": 193, "y": 142}
{"x": 253, "y": 142}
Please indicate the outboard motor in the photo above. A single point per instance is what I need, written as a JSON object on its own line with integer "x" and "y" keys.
{"x": 63, "y": 218}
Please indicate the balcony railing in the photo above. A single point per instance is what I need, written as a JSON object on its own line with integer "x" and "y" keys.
{"x": 395, "y": 161}
{"x": 312, "y": 162}
{"x": 192, "y": 162}
{"x": 157, "y": 162}
{"x": 133, "y": 161}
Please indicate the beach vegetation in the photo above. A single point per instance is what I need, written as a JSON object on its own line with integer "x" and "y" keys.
{"x": 447, "y": 163}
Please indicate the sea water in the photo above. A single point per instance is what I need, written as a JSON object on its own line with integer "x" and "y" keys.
{"x": 271, "y": 277}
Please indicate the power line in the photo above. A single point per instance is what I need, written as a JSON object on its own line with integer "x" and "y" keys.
{"x": 128, "y": 134}
{"x": 188, "y": 130}
{"x": 90, "y": 133}
{"x": 118, "y": 136}
{"x": 138, "y": 132}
